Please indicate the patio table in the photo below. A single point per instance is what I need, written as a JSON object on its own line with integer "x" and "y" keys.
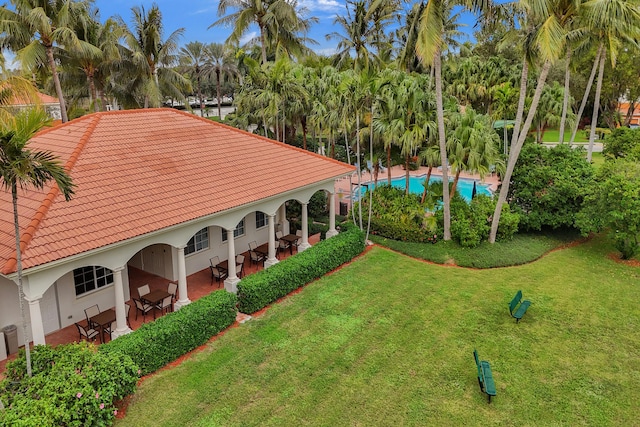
{"x": 102, "y": 319}
{"x": 263, "y": 249}
{"x": 291, "y": 238}
{"x": 154, "y": 297}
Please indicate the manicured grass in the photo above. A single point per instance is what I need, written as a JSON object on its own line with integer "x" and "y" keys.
{"x": 388, "y": 340}
{"x": 553, "y": 135}
{"x": 523, "y": 248}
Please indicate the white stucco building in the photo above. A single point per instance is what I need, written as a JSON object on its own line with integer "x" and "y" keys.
{"x": 157, "y": 189}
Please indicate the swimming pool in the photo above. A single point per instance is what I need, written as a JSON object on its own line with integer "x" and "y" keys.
{"x": 465, "y": 185}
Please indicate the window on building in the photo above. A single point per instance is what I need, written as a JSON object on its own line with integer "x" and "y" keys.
{"x": 239, "y": 231}
{"x": 87, "y": 279}
{"x": 199, "y": 242}
{"x": 261, "y": 219}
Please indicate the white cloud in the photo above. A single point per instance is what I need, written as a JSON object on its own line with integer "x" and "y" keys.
{"x": 326, "y": 51}
{"x": 248, "y": 37}
{"x": 322, "y": 5}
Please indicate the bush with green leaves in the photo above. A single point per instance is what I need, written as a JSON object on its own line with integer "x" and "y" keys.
{"x": 613, "y": 203}
{"x": 71, "y": 385}
{"x": 471, "y": 222}
{"x": 264, "y": 287}
{"x": 397, "y": 215}
{"x": 155, "y": 344}
{"x": 622, "y": 143}
{"x": 549, "y": 185}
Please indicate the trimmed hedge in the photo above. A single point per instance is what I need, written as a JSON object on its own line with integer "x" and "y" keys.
{"x": 258, "y": 290}
{"x": 157, "y": 343}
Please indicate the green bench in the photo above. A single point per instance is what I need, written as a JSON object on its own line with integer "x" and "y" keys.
{"x": 522, "y": 306}
{"x": 485, "y": 377}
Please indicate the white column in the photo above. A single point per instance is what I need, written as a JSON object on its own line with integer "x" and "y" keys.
{"x": 182, "y": 281}
{"x": 332, "y": 216}
{"x": 37, "y": 327}
{"x": 121, "y": 315}
{"x": 271, "y": 259}
{"x": 305, "y": 229}
{"x": 282, "y": 213}
{"x": 231, "y": 282}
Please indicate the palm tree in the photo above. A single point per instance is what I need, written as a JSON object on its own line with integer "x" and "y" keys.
{"x": 471, "y": 145}
{"x": 34, "y": 27}
{"x": 550, "y": 109}
{"x": 219, "y": 60}
{"x": 150, "y": 57}
{"x": 23, "y": 168}
{"x": 93, "y": 65}
{"x": 429, "y": 47}
{"x": 545, "y": 27}
{"x": 358, "y": 37}
{"x": 193, "y": 58}
{"x": 269, "y": 16}
{"x": 611, "y": 21}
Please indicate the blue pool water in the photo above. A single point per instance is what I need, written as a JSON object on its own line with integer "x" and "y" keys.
{"x": 465, "y": 186}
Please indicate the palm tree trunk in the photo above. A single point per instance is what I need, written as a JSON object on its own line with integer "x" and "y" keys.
{"x": 359, "y": 170}
{"x": 443, "y": 147}
{"x": 389, "y": 164}
{"x": 25, "y": 330}
{"x": 521, "y": 100}
{"x": 515, "y": 151}
{"x": 426, "y": 184}
{"x": 596, "y": 105}
{"x": 371, "y": 160}
{"x": 455, "y": 184}
{"x": 303, "y": 123}
{"x": 56, "y": 83}
{"x": 218, "y": 95}
{"x": 200, "y": 96}
{"x": 406, "y": 174}
{"x": 565, "y": 100}
{"x": 263, "y": 44}
{"x": 92, "y": 100}
{"x": 586, "y": 92}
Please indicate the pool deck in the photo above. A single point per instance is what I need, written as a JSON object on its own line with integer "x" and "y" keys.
{"x": 343, "y": 187}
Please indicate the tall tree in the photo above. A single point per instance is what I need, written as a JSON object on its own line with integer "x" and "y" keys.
{"x": 221, "y": 63}
{"x": 194, "y": 59}
{"x": 546, "y": 29}
{"x": 612, "y": 21}
{"x": 94, "y": 65}
{"x": 22, "y": 168}
{"x": 150, "y": 57}
{"x": 274, "y": 18}
{"x": 429, "y": 47}
{"x": 34, "y": 27}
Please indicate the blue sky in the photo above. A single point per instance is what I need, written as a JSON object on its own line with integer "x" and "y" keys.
{"x": 196, "y": 16}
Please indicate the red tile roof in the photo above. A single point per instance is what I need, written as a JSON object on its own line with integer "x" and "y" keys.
{"x": 44, "y": 98}
{"x": 138, "y": 171}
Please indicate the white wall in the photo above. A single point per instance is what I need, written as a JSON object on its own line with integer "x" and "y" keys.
{"x": 10, "y": 308}
{"x": 200, "y": 260}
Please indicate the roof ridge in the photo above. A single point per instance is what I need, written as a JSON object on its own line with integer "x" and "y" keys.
{"x": 28, "y": 233}
{"x": 273, "y": 141}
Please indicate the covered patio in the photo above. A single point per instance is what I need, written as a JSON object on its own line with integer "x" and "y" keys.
{"x": 199, "y": 284}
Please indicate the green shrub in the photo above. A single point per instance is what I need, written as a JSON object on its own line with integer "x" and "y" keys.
{"x": 549, "y": 185}
{"x": 471, "y": 222}
{"x": 72, "y": 385}
{"x": 157, "y": 343}
{"x": 397, "y": 215}
{"x": 258, "y": 290}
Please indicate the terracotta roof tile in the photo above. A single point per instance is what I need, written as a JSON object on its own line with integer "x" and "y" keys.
{"x": 137, "y": 171}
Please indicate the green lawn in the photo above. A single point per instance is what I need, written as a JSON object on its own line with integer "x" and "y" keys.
{"x": 388, "y": 340}
{"x": 553, "y": 135}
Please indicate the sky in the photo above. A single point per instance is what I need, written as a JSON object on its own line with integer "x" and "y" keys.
{"x": 195, "y": 16}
